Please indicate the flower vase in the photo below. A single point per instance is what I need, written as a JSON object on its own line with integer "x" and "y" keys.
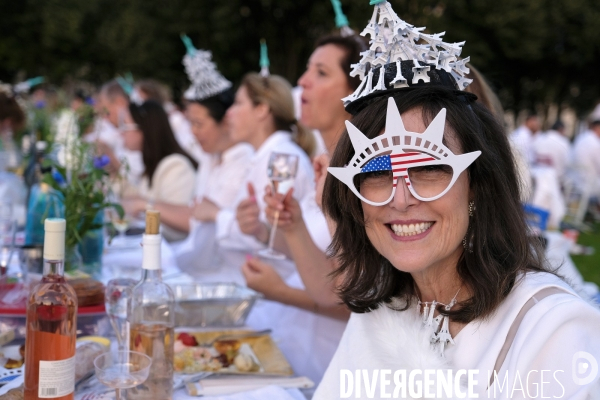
{"x": 73, "y": 260}
{"x": 91, "y": 248}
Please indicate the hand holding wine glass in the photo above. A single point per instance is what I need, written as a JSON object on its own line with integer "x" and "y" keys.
{"x": 281, "y": 170}
{"x": 287, "y": 208}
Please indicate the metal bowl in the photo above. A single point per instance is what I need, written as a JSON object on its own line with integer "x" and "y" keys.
{"x": 212, "y": 304}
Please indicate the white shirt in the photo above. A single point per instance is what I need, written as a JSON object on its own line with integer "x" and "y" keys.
{"x": 172, "y": 183}
{"x": 552, "y": 149}
{"x": 219, "y": 179}
{"x": 586, "y": 157}
{"x": 220, "y": 176}
{"x": 228, "y": 231}
{"x": 549, "y": 338}
{"x": 522, "y": 138}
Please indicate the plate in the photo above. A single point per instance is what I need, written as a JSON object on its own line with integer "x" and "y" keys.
{"x": 271, "y": 360}
{"x": 9, "y": 374}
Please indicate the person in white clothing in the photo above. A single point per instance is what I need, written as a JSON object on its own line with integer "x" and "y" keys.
{"x": 553, "y": 149}
{"x": 522, "y": 137}
{"x": 169, "y": 172}
{"x": 435, "y": 260}
{"x": 586, "y": 157}
{"x": 303, "y": 225}
{"x": 263, "y": 116}
{"x": 112, "y": 107}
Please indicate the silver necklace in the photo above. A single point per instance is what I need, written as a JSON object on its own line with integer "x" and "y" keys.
{"x": 438, "y": 326}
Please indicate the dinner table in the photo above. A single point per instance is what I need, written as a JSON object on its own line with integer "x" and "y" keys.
{"x": 307, "y": 340}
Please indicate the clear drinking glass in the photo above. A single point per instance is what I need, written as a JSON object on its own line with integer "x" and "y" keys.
{"x": 117, "y": 297}
{"x": 122, "y": 370}
{"x": 281, "y": 171}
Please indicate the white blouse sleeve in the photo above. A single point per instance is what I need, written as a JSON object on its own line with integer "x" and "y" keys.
{"x": 174, "y": 180}
{"x": 559, "y": 338}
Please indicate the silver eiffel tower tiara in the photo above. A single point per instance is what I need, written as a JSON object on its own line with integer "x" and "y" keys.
{"x": 206, "y": 80}
{"x": 401, "y": 56}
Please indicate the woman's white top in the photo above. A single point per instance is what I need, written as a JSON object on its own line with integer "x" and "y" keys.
{"x": 556, "y": 348}
{"x": 173, "y": 183}
{"x": 227, "y": 228}
{"x": 219, "y": 179}
{"x": 221, "y": 175}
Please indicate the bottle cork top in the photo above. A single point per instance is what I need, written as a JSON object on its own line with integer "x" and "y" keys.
{"x": 152, "y": 222}
{"x": 54, "y": 238}
{"x": 55, "y": 225}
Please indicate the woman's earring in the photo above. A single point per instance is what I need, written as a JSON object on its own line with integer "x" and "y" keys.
{"x": 469, "y": 246}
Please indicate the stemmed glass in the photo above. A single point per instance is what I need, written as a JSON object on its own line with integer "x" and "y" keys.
{"x": 117, "y": 297}
{"x": 122, "y": 370}
{"x": 281, "y": 170}
{"x": 120, "y": 224}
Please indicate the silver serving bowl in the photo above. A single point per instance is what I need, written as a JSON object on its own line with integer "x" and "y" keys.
{"x": 212, "y": 304}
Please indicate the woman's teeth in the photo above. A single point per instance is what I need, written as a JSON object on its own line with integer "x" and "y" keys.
{"x": 410, "y": 230}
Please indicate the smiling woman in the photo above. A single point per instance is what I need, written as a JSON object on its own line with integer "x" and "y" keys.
{"x": 435, "y": 260}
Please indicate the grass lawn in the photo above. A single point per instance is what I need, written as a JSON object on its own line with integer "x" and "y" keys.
{"x": 589, "y": 266}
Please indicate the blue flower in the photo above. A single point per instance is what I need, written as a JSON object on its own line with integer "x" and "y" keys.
{"x": 101, "y": 162}
{"x": 40, "y": 104}
{"x": 58, "y": 178}
{"x": 90, "y": 101}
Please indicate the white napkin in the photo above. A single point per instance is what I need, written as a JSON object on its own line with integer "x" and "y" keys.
{"x": 227, "y": 386}
{"x": 264, "y": 393}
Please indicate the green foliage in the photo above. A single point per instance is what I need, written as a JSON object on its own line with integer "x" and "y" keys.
{"x": 533, "y": 51}
{"x": 589, "y": 265}
{"x": 82, "y": 189}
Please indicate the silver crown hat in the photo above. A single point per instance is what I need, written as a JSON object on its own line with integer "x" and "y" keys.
{"x": 206, "y": 80}
{"x": 401, "y": 56}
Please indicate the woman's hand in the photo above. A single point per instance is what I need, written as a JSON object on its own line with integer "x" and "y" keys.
{"x": 320, "y": 165}
{"x": 263, "y": 278}
{"x": 247, "y": 215}
{"x": 205, "y": 210}
{"x": 288, "y": 207}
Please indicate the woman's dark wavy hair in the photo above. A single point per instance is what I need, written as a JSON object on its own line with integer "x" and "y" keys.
{"x": 159, "y": 140}
{"x": 497, "y": 231}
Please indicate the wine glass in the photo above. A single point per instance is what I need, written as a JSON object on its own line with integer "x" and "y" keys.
{"x": 122, "y": 370}
{"x": 120, "y": 224}
{"x": 117, "y": 297}
{"x": 281, "y": 170}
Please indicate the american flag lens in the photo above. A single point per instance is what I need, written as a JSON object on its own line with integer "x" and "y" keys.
{"x": 423, "y": 174}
